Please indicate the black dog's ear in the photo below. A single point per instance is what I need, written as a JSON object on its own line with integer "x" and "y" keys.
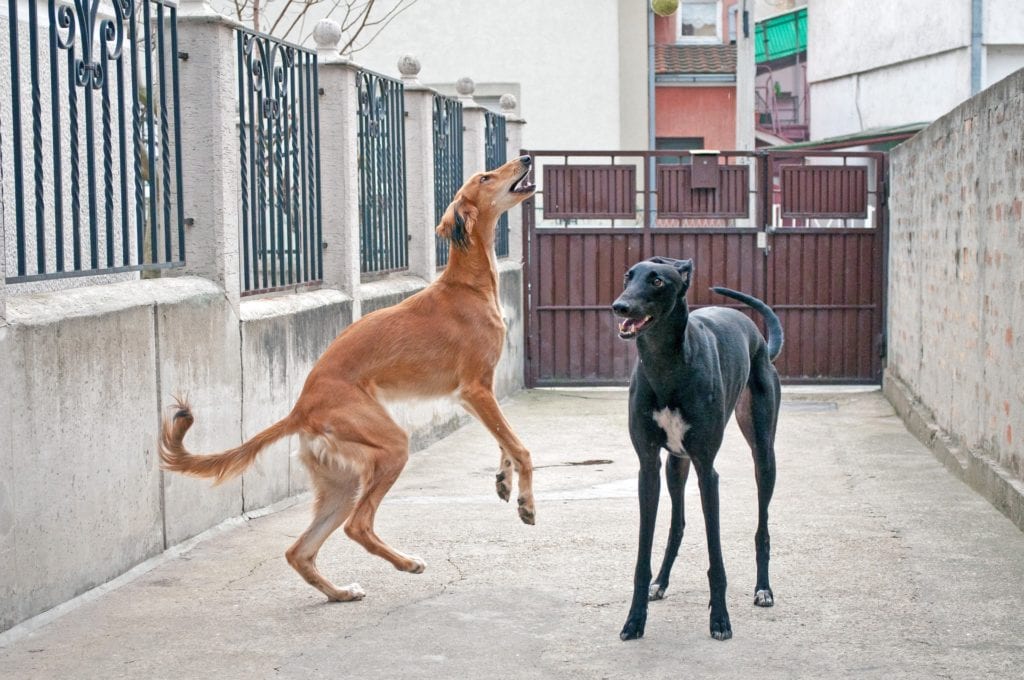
{"x": 457, "y": 223}
{"x": 684, "y": 267}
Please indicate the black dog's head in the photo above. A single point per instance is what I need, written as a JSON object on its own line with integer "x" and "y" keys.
{"x": 653, "y": 288}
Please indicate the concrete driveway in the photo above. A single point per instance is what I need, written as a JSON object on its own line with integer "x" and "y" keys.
{"x": 883, "y": 566}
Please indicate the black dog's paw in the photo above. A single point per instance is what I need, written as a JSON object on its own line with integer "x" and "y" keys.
{"x": 721, "y": 629}
{"x": 634, "y": 627}
{"x": 764, "y": 598}
{"x": 656, "y": 592}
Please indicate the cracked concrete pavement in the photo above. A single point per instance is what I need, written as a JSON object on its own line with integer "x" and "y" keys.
{"x": 883, "y": 566}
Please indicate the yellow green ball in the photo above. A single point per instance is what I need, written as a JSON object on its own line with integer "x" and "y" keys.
{"x": 664, "y": 8}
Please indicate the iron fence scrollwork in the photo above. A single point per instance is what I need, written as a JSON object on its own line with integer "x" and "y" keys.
{"x": 495, "y": 154}
{"x": 383, "y": 221}
{"x": 279, "y": 143}
{"x": 83, "y": 56}
{"x": 447, "y": 124}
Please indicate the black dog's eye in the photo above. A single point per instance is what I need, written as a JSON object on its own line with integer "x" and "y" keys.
{"x": 657, "y": 283}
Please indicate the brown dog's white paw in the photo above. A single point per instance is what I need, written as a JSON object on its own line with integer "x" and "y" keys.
{"x": 415, "y": 565}
{"x": 350, "y": 593}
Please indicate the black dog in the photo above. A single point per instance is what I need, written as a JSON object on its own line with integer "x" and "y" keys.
{"x": 692, "y": 372}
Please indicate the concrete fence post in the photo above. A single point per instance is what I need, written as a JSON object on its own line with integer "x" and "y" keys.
{"x": 210, "y": 146}
{"x": 473, "y": 129}
{"x": 339, "y": 154}
{"x": 419, "y": 164}
{"x": 514, "y": 139}
{"x": 3, "y": 260}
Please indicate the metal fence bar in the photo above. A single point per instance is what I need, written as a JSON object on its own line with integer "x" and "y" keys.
{"x": 19, "y": 201}
{"x": 447, "y": 125}
{"x": 278, "y": 163}
{"x": 382, "y": 170}
{"x": 496, "y": 154}
{"x": 87, "y": 220}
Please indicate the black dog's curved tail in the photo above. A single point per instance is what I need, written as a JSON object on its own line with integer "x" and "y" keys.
{"x": 775, "y": 334}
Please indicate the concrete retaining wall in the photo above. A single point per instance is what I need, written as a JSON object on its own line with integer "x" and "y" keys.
{"x": 84, "y": 377}
{"x": 956, "y": 290}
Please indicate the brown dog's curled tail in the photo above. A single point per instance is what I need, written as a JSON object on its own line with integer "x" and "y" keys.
{"x": 220, "y": 466}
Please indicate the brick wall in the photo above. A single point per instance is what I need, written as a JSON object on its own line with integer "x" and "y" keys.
{"x": 956, "y": 290}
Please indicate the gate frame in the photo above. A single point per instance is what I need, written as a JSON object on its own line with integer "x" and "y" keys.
{"x": 761, "y": 199}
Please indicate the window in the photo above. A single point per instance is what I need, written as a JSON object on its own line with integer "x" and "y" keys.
{"x": 677, "y": 144}
{"x": 700, "y": 21}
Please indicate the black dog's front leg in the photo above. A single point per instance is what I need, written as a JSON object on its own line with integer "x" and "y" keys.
{"x": 649, "y": 489}
{"x": 721, "y": 629}
{"x": 677, "y": 469}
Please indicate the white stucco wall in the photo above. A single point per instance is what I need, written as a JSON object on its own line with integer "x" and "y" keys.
{"x": 895, "y": 63}
{"x": 908, "y": 92}
{"x": 851, "y": 36}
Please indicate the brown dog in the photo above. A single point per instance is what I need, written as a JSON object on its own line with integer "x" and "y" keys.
{"x": 444, "y": 340}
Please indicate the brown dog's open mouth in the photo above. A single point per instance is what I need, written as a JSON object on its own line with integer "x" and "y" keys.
{"x": 628, "y": 328}
{"x": 523, "y": 185}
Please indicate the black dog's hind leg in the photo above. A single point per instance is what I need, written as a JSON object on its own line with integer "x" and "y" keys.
{"x": 649, "y": 489}
{"x": 721, "y": 629}
{"x": 677, "y": 469}
{"x": 758, "y": 419}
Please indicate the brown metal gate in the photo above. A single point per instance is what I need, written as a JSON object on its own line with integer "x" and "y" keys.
{"x": 802, "y": 231}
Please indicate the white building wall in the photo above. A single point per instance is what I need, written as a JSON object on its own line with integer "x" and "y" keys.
{"x": 896, "y": 95}
{"x": 903, "y": 62}
{"x": 564, "y": 55}
{"x": 561, "y": 59}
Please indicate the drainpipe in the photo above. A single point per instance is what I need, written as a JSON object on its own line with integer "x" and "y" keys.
{"x": 650, "y": 77}
{"x": 976, "y": 32}
{"x": 650, "y": 112}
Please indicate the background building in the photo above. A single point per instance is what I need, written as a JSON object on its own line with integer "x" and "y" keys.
{"x": 879, "y": 65}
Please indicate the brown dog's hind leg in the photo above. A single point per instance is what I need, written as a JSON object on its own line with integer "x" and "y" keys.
{"x": 335, "y": 489}
{"x": 479, "y": 400}
{"x": 382, "y": 452}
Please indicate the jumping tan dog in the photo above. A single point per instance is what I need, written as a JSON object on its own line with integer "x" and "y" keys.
{"x": 445, "y": 340}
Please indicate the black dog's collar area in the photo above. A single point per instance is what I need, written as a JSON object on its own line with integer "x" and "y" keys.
{"x": 628, "y": 328}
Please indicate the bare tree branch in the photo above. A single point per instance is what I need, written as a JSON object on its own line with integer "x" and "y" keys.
{"x": 360, "y": 26}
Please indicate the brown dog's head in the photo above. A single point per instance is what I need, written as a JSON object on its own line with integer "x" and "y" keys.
{"x": 475, "y": 210}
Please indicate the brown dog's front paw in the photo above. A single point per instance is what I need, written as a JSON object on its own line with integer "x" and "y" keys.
{"x": 527, "y": 513}
{"x": 503, "y": 486}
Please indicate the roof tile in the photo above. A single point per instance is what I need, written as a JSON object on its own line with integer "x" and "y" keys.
{"x": 694, "y": 59}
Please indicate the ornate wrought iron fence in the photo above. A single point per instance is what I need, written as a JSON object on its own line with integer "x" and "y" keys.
{"x": 279, "y": 140}
{"x": 495, "y": 154}
{"x": 447, "y": 161}
{"x": 383, "y": 224}
{"x": 102, "y": 194}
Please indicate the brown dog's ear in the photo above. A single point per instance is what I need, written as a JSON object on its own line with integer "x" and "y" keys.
{"x": 457, "y": 223}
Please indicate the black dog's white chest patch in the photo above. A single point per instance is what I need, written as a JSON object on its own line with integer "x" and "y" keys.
{"x": 675, "y": 429}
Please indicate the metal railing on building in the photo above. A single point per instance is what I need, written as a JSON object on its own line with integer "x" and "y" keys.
{"x": 447, "y": 162}
{"x": 279, "y": 140}
{"x": 383, "y": 221}
{"x": 495, "y": 154}
{"x": 92, "y": 131}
